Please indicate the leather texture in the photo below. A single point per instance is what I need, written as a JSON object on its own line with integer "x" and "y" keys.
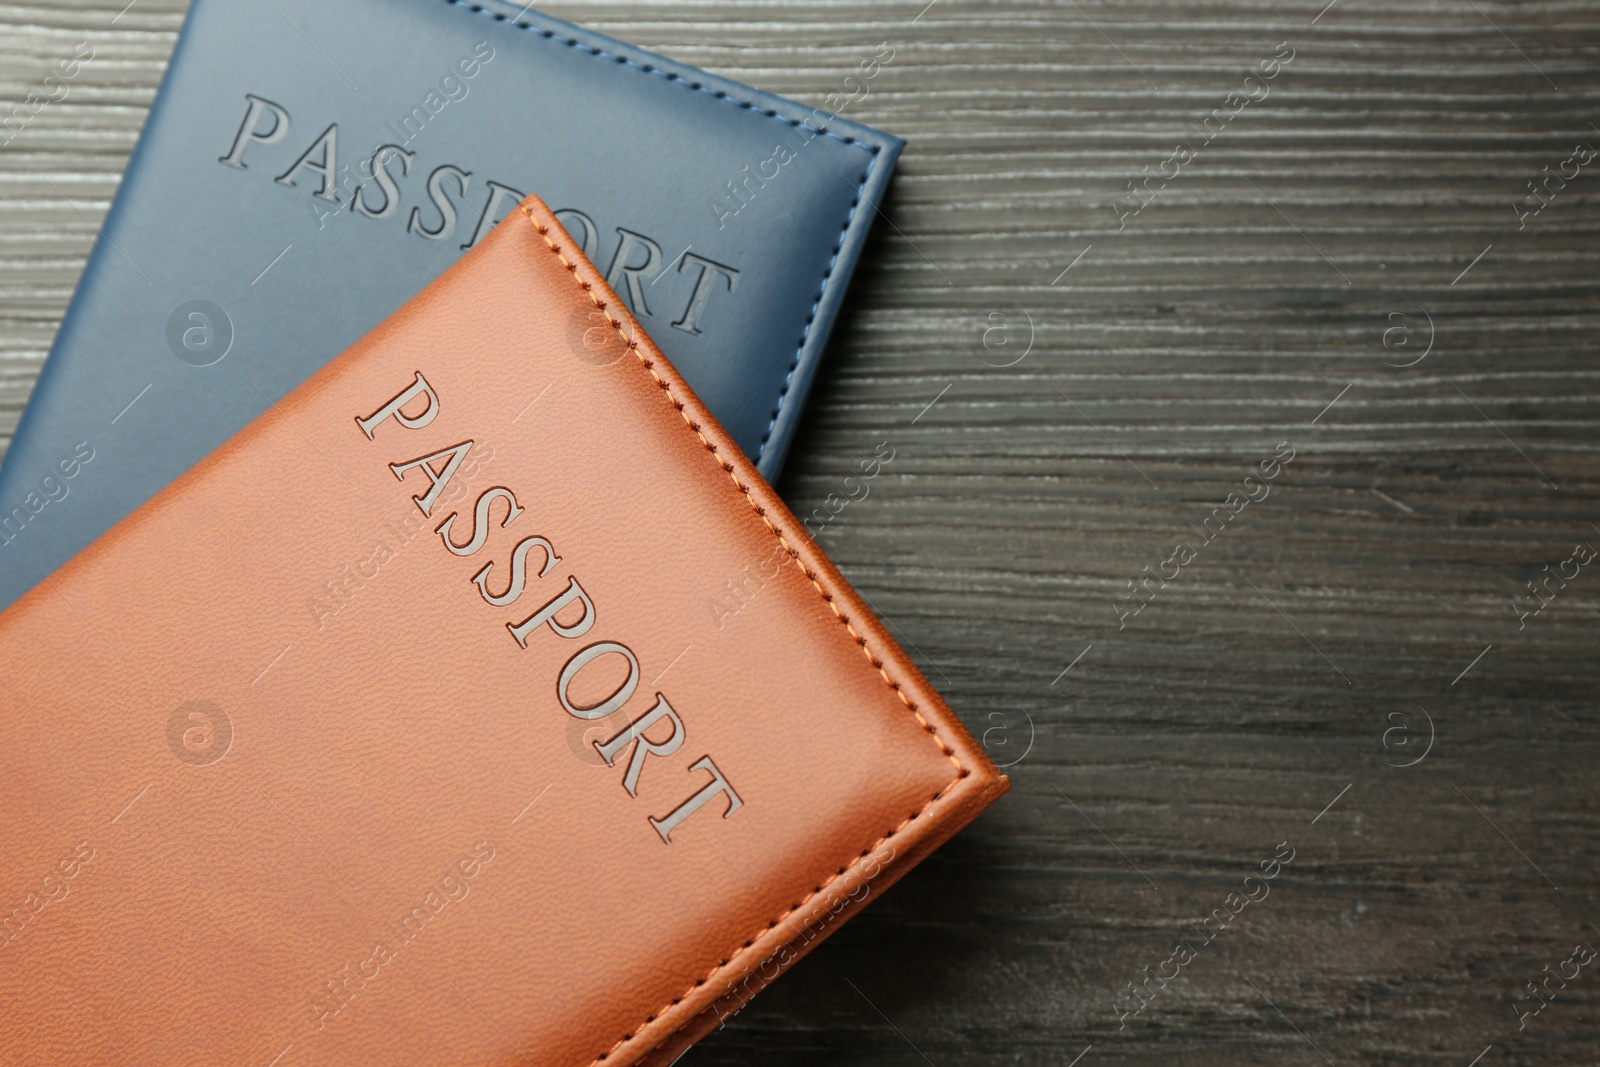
{"x": 236, "y": 261}
{"x": 281, "y": 786}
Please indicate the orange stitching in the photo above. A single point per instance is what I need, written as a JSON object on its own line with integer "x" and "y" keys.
{"x": 961, "y": 771}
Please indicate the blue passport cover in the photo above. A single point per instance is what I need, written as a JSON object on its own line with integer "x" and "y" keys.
{"x": 309, "y": 166}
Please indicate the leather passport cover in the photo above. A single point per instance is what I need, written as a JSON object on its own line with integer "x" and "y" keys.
{"x": 402, "y": 728}
{"x": 308, "y": 166}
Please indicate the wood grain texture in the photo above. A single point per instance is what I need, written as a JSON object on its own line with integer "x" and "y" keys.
{"x": 1256, "y": 287}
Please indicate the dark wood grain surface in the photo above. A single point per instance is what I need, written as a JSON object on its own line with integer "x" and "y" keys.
{"x": 1057, "y": 431}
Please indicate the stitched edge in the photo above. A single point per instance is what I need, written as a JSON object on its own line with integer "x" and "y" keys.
{"x": 827, "y": 273}
{"x": 671, "y": 76}
{"x": 962, "y": 771}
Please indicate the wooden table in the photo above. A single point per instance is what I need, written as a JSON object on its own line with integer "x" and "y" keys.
{"x": 1335, "y": 669}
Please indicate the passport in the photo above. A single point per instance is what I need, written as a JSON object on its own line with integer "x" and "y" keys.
{"x": 398, "y": 730}
{"x": 308, "y": 167}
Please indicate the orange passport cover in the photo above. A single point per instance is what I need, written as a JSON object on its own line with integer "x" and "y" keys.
{"x": 399, "y": 730}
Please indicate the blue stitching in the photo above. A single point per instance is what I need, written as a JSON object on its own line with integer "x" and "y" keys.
{"x": 811, "y": 317}
{"x": 872, "y": 150}
{"x": 668, "y": 75}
